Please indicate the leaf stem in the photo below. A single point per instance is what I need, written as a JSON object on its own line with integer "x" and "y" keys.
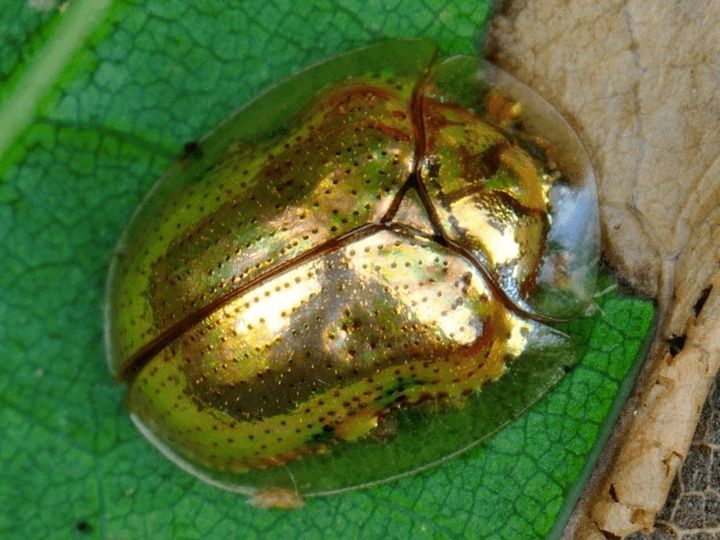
{"x": 19, "y": 108}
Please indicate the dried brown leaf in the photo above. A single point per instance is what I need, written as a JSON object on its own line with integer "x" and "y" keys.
{"x": 640, "y": 82}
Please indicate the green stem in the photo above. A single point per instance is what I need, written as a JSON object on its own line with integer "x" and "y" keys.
{"x": 43, "y": 70}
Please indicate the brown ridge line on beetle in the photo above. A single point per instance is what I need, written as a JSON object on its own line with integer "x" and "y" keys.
{"x": 416, "y": 118}
{"x": 507, "y": 199}
{"x": 441, "y": 237}
{"x": 155, "y": 345}
{"x": 490, "y": 281}
{"x": 414, "y": 181}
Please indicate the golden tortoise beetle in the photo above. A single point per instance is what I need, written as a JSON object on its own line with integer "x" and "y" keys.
{"x": 379, "y": 240}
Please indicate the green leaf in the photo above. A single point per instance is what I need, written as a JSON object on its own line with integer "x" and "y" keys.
{"x": 96, "y": 101}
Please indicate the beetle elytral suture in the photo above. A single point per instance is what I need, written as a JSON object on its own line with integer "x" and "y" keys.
{"x": 374, "y": 242}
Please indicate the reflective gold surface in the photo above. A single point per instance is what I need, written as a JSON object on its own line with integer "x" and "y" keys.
{"x": 381, "y": 251}
{"x": 325, "y": 350}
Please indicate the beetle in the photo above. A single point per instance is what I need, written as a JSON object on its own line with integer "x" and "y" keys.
{"x": 367, "y": 247}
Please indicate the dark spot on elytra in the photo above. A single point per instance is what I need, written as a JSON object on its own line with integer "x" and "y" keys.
{"x": 536, "y": 151}
{"x": 326, "y": 435}
{"x": 433, "y": 165}
{"x": 191, "y": 150}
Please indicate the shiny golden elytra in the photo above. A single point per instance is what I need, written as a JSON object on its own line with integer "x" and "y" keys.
{"x": 354, "y": 276}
